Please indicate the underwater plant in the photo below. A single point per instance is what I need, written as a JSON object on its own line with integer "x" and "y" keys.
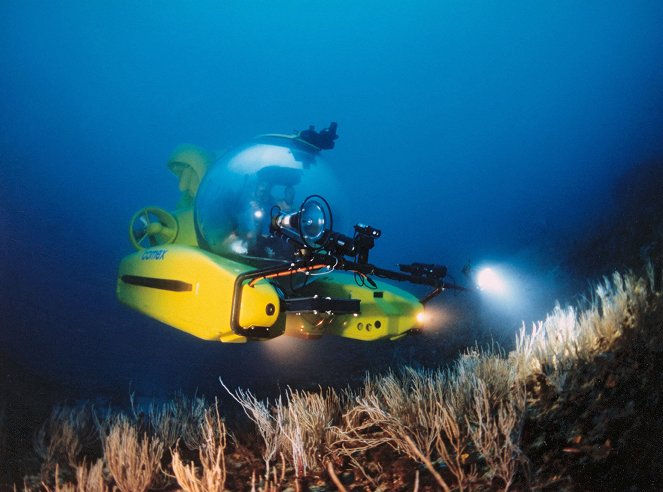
{"x": 574, "y": 404}
{"x": 181, "y": 418}
{"x": 133, "y": 459}
{"x": 64, "y": 437}
{"x": 211, "y": 456}
{"x": 567, "y": 337}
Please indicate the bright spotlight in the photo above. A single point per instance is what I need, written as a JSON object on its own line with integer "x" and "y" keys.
{"x": 489, "y": 280}
{"x": 432, "y": 319}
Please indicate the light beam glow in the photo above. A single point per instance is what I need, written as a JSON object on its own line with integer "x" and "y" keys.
{"x": 489, "y": 280}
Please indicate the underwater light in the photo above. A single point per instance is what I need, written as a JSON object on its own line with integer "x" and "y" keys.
{"x": 489, "y": 280}
{"x": 313, "y": 219}
{"x": 431, "y": 319}
{"x": 310, "y": 225}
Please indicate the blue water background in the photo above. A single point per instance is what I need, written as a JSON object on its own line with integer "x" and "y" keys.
{"x": 469, "y": 130}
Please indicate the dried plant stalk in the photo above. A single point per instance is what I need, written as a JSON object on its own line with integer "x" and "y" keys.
{"x": 496, "y": 433}
{"x": 258, "y": 412}
{"x": 91, "y": 478}
{"x": 64, "y": 436}
{"x": 212, "y": 459}
{"x": 305, "y": 427}
{"x": 556, "y": 345}
{"x": 179, "y": 419}
{"x": 133, "y": 463}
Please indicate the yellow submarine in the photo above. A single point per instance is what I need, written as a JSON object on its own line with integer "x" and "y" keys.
{"x": 238, "y": 260}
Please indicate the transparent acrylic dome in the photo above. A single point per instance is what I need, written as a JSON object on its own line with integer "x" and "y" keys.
{"x": 242, "y": 190}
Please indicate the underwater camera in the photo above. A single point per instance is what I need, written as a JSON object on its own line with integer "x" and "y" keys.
{"x": 238, "y": 260}
{"x": 311, "y": 229}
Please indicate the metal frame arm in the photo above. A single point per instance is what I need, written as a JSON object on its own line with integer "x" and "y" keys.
{"x": 314, "y": 262}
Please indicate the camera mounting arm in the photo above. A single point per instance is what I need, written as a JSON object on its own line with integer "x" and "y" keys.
{"x": 310, "y": 229}
{"x": 415, "y": 273}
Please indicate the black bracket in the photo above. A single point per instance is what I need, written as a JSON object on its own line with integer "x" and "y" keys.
{"x": 317, "y": 304}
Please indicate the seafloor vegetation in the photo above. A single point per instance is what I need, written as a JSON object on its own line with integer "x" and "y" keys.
{"x": 575, "y": 406}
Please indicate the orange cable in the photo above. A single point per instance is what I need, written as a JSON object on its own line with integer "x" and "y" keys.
{"x": 288, "y": 272}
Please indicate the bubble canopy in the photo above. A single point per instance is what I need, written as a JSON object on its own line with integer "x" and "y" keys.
{"x": 241, "y": 191}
